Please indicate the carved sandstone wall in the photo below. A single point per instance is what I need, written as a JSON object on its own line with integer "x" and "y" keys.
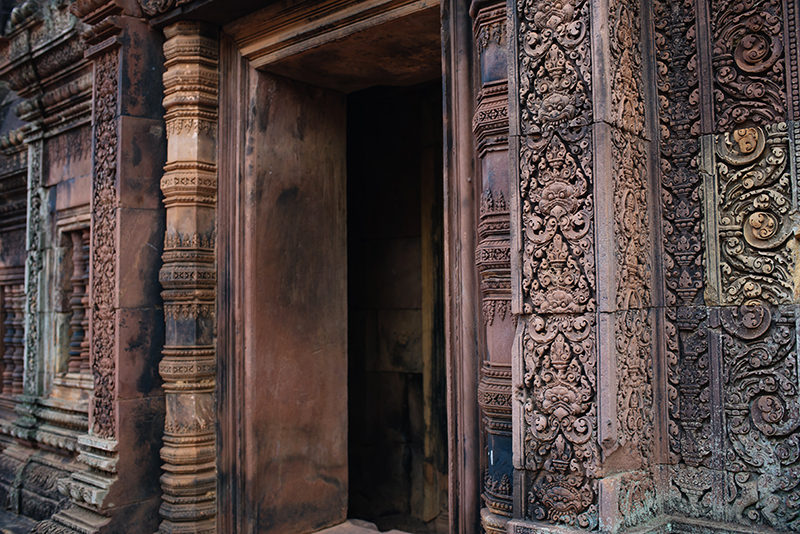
{"x": 656, "y": 362}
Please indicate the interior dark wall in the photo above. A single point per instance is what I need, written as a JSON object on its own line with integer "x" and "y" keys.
{"x": 397, "y": 446}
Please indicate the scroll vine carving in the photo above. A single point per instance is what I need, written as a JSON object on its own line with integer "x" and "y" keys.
{"x": 104, "y": 245}
{"x": 555, "y": 166}
{"x": 557, "y": 213}
{"x": 762, "y": 414}
{"x": 748, "y": 52}
{"x": 635, "y": 374}
{"x": 558, "y": 266}
{"x": 754, "y": 223}
{"x": 679, "y": 126}
{"x": 632, "y": 228}
{"x": 627, "y": 98}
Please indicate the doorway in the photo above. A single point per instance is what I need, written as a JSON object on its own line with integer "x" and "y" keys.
{"x": 338, "y": 409}
{"x": 397, "y": 449}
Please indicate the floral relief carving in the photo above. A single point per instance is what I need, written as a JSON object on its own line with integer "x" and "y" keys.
{"x": 688, "y": 385}
{"x": 754, "y": 223}
{"x": 557, "y": 212}
{"x": 556, "y": 203}
{"x": 560, "y": 413}
{"x": 632, "y": 228}
{"x": 634, "y": 344}
{"x": 679, "y": 127}
{"x": 104, "y": 245}
{"x": 627, "y": 99}
{"x": 33, "y": 268}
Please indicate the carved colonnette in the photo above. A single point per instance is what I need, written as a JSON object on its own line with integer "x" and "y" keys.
{"x": 188, "y": 277}
{"x": 584, "y": 351}
{"x": 492, "y": 258}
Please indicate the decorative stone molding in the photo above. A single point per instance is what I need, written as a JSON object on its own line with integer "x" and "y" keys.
{"x": 188, "y": 278}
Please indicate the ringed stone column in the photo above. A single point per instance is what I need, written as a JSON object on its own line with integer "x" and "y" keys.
{"x": 581, "y": 251}
{"x": 490, "y": 127}
{"x": 188, "y": 278}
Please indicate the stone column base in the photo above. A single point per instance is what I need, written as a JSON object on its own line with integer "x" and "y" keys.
{"x": 493, "y": 523}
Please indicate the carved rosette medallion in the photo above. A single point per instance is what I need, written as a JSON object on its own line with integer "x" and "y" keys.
{"x": 188, "y": 278}
{"x": 748, "y": 63}
{"x": 762, "y": 415}
{"x": 753, "y": 205}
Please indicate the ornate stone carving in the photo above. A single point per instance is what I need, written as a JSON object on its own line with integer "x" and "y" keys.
{"x": 634, "y": 344}
{"x": 679, "y": 115}
{"x": 493, "y": 256}
{"x": 555, "y": 161}
{"x": 627, "y": 89}
{"x": 157, "y": 7}
{"x": 753, "y": 205}
{"x": 188, "y": 277}
{"x": 33, "y": 268}
{"x": 762, "y": 415}
{"x": 78, "y": 361}
{"x": 104, "y": 245}
{"x": 748, "y": 53}
{"x": 560, "y": 413}
{"x": 557, "y": 214}
{"x": 631, "y": 222}
{"x": 493, "y": 261}
{"x": 688, "y": 386}
{"x": 13, "y": 338}
{"x": 556, "y": 201}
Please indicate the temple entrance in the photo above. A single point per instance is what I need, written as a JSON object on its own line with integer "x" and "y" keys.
{"x": 342, "y": 388}
{"x": 396, "y": 378}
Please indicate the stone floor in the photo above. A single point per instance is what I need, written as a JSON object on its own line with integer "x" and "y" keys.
{"x": 356, "y": 526}
{"x": 11, "y": 523}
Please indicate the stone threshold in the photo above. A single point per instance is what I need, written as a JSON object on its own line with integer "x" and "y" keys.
{"x": 11, "y": 523}
{"x": 357, "y": 526}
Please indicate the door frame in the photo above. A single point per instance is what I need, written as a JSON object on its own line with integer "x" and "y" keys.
{"x": 461, "y": 296}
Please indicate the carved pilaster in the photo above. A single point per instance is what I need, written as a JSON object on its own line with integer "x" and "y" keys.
{"x": 188, "y": 278}
{"x": 33, "y": 270}
{"x": 118, "y": 452}
{"x": 584, "y": 352}
{"x": 727, "y": 83}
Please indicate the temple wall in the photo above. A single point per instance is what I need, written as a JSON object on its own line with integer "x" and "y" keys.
{"x": 622, "y": 268}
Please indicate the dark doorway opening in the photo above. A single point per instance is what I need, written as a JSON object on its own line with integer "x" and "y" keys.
{"x": 397, "y": 432}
